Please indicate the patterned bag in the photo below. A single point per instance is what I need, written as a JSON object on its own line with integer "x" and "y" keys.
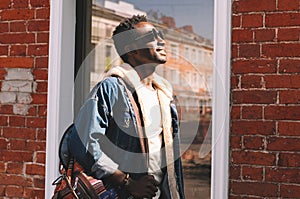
{"x": 73, "y": 182}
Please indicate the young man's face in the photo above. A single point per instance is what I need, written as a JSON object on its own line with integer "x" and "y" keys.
{"x": 150, "y": 44}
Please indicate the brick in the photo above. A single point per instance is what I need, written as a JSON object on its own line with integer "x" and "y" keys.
{"x": 38, "y": 25}
{"x": 253, "y": 142}
{"x": 254, "y": 188}
{"x": 16, "y": 62}
{"x": 281, "y": 50}
{"x": 283, "y": 144}
{"x": 235, "y": 142}
{"x": 289, "y": 128}
{"x": 17, "y": 14}
{"x": 252, "y": 20}
{"x": 6, "y": 109}
{"x": 42, "y": 13}
{"x": 253, "y": 158}
{"x": 288, "y": 175}
{"x": 36, "y": 145}
{"x": 32, "y": 110}
{"x": 20, "y": 4}
{"x": 264, "y": 35}
{"x": 36, "y": 122}
{"x": 3, "y": 121}
{"x": 14, "y": 191}
{"x": 42, "y": 110}
{"x": 3, "y": 51}
{"x": 234, "y": 51}
{"x": 41, "y": 134}
{"x": 39, "y": 98}
{"x": 282, "y": 112}
{"x": 20, "y": 133}
{"x": 252, "y": 112}
{"x": 40, "y": 157}
{"x": 289, "y": 66}
{"x": 35, "y": 169}
{"x": 282, "y": 19}
{"x": 18, "y": 26}
{"x": 39, "y": 182}
{"x": 252, "y": 128}
{"x": 289, "y": 97}
{"x": 288, "y": 34}
{"x": 15, "y": 168}
{"x": 42, "y": 87}
{"x": 243, "y": 6}
{"x": 34, "y": 192}
{"x": 254, "y": 97}
{"x": 41, "y": 62}
{"x": 40, "y": 74}
{"x": 289, "y": 190}
{"x": 16, "y": 121}
{"x": 235, "y": 112}
{"x": 19, "y": 74}
{"x": 282, "y": 81}
{"x": 38, "y": 50}
{"x": 235, "y": 172}
{"x": 288, "y": 5}
{"x": 16, "y": 156}
{"x": 289, "y": 160}
{"x": 5, "y": 4}
{"x": 249, "y": 50}
{"x": 18, "y": 50}
{"x": 3, "y": 144}
{"x": 43, "y": 38}
{"x": 10, "y": 179}
{"x": 234, "y": 81}
{"x": 17, "y": 38}
{"x": 242, "y": 36}
{"x": 17, "y": 144}
{"x": 7, "y": 97}
{"x": 4, "y": 28}
{"x": 2, "y": 169}
{"x": 40, "y": 3}
{"x": 251, "y": 81}
{"x": 236, "y": 21}
{"x": 252, "y": 173}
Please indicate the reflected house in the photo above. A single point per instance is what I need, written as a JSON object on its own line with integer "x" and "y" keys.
{"x": 189, "y": 68}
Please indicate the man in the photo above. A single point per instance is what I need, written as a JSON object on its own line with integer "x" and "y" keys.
{"x": 131, "y": 139}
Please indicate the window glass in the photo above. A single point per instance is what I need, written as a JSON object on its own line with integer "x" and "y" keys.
{"x": 188, "y": 30}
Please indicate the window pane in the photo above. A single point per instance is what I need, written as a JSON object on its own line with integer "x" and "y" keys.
{"x": 188, "y": 29}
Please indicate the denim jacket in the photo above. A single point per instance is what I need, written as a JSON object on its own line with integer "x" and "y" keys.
{"x": 105, "y": 137}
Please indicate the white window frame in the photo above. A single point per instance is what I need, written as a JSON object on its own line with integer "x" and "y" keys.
{"x": 60, "y": 90}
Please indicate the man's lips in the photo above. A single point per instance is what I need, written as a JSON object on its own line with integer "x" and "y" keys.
{"x": 161, "y": 51}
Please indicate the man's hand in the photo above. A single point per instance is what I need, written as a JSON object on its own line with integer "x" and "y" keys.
{"x": 145, "y": 187}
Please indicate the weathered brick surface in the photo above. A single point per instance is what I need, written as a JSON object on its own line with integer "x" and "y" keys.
{"x": 265, "y": 97}
{"x": 24, "y": 39}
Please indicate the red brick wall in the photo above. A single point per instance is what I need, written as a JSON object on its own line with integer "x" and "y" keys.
{"x": 24, "y": 32}
{"x": 265, "y": 96}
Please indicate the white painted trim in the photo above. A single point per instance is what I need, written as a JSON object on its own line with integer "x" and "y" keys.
{"x": 61, "y": 66}
{"x": 60, "y": 82}
{"x": 221, "y": 100}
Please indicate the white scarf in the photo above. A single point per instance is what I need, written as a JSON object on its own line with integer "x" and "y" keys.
{"x": 164, "y": 91}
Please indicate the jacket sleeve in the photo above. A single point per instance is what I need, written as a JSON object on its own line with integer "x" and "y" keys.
{"x": 90, "y": 125}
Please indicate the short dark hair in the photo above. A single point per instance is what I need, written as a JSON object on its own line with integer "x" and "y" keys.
{"x": 121, "y": 40}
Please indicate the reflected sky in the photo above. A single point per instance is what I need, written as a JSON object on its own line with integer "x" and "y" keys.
{"x": 198, "y": 13}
